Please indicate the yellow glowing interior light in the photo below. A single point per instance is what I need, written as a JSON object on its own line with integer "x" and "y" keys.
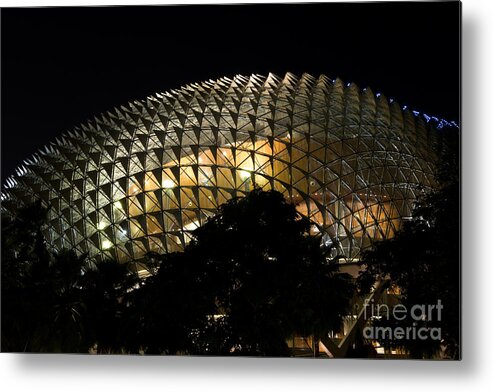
{"x": 244, "y": 174}
{"x": 191, "y": 226}
{"x": 118, "y": 205}
{"x": 168, "y": 184}
{"x": 106, "y": 244}
{"x": 102, "y": 225}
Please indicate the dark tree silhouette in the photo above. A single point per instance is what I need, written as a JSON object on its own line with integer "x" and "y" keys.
{"x": 107, "y": 290}
{"x": 170, "y": 307}
{"x": 251, "y": 277}
{"x": 57, "y": 302}
{"x": 42, "y": 298}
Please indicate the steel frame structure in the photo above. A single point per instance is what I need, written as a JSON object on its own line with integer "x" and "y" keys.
{"x": 142, "y": 176}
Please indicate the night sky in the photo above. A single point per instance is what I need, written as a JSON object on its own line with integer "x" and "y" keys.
{"x": 61, "y": 66}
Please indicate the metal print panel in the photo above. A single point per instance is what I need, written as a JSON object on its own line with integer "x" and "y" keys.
{"x": 243, "y": 213}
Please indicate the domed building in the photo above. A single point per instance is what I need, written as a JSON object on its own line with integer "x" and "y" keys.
{"x": 143, "y": 176}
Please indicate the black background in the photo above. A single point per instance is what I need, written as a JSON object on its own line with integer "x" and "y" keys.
{"x": 60, "y": 66}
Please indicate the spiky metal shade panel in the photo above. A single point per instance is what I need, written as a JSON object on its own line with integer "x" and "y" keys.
{"x": 141, "y": 177}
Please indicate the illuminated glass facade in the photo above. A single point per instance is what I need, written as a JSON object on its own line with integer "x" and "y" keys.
{"x": 141, "y": 177}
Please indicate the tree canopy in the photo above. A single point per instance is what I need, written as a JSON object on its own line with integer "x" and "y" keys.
{"x": 251, "y": 277}
{"x": 56, "y": 302}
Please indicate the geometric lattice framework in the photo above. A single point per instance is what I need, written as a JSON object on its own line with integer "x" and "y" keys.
{"x": 141, "y": 177}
